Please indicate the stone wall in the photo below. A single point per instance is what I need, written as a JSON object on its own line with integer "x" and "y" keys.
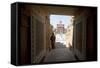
{"x": 40, "y": 31}
{"x": 80, "y": 32}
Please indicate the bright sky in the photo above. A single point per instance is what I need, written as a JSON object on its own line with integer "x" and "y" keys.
{"x": 55, "y": 19}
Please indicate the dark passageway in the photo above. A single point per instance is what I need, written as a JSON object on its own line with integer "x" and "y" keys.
{"x": 35, "y": 30}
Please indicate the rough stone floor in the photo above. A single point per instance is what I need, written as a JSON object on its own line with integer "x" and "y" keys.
{"x": 60, "y": 53}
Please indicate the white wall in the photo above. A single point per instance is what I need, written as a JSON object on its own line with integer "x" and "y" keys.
{"x": 5, "y": 34}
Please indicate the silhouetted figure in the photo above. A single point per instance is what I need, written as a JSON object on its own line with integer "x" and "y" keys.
{"x": 70, "y": 46}
{"x": 52, "y": 38}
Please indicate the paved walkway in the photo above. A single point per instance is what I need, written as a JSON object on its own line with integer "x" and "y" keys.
{"x": 60, "y": 54}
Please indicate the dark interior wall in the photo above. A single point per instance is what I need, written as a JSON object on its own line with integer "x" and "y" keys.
{"x": 20, "y": 34}
{"x": 31, "y": 52}
{"x": 92, "y": 35}
{"x": 24, "y": 36}
{"x": 79, "y": 34}
{"x": 85, "y": 35}
{"x": 25, "y": 40}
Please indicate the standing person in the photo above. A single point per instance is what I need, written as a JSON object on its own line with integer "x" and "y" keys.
{"x": 52, "y": 38}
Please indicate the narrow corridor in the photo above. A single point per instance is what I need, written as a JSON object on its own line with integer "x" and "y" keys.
{"x": 36, "y": 27}
{"x": 60, "y": 54}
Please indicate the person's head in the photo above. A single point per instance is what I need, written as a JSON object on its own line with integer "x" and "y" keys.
{"x": 52, "y": 33}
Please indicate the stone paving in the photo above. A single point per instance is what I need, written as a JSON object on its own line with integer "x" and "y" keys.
{"x": 61, "y": 53}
